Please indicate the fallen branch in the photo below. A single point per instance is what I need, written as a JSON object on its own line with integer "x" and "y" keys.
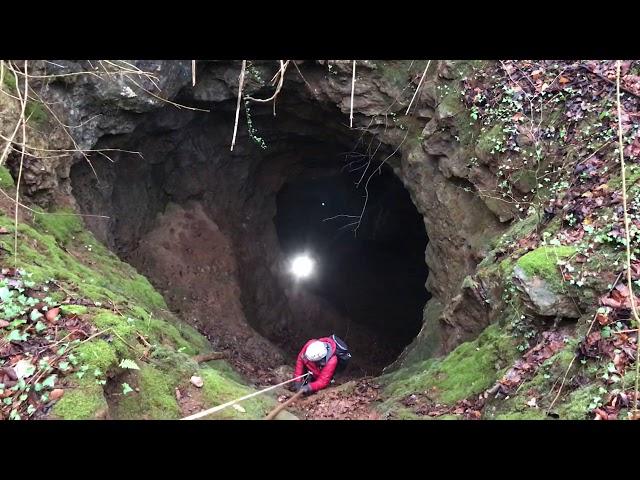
{"x": 282, "y": 406}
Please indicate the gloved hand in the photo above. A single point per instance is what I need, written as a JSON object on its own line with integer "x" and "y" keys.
{"x": 306, "y": 389}
{"x": 295, "y": 386}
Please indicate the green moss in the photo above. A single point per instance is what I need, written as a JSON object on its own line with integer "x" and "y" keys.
{"x": 121, "y": 329}
{"x": 449, "y": 417}
{"x": 487, "y": 140}
{"x": 161, "y": 331}
{"x": 81, "y": 402}
{"x": 576, "y": 405}
{"x": 73, "y": 309}
{"x": 632, "y": 176}
{"x": 177, "y": 364}
{"x": 530, "y": 414}
{"x": 402, "y": 413}
{"x": 97, "y": 353}
{"x": 525, "y": 180}
{"x": 155, "y": 400}
{"x": 63, "y": 224}
{"x": 90, "y": 271}
{"x": 9, "y": 81}
{"x": 6, "y": 180}
{"x": 35, "y": 112}
{"x": 107, "y": 279}
{"x": 542, "y": 262}
{"x": 397, "y": 72}
{"x": 224, "y": 368}
{"x": 468, "y": 370}
{"x": 218, "y": 389}
{"x": 469, "y": 282}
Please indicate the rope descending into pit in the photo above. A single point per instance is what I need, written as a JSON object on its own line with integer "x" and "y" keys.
{"x": 204, "y": 413}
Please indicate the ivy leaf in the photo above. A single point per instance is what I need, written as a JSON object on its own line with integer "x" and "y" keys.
{"x": 16, "y": 336}
{"x": 64, "y": 366}
{"x": 31, "y": 410}
{"x": 40, "y": 326}
{"x": 126, "y": 388}
{"x": 130, "y": 364}
{"x": 35, "y": 315}
{"x": 5, "y": 293}
{"x": 49, "y": 381}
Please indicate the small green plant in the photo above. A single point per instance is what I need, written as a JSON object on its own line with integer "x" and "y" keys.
{"x": 251, "y": 129}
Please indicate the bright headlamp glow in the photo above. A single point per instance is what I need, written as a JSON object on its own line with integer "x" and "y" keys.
{"x": 302, "y": 266}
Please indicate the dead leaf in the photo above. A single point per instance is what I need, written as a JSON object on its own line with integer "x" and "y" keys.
{"x": 622, "y": 289}
{"x": 52, "y": 314}
{"x": 239, "y": 408}
{"x": 603, "y": 319}
{"x": 56, "y": 394}
{"x": 563, "y": 80}
{"x": 3, "y": 323}
{"x": 536, "y": 74}
{"x": 610, "y": 302}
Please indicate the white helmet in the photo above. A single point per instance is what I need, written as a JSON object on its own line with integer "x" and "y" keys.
{"x": 316, "y": 351}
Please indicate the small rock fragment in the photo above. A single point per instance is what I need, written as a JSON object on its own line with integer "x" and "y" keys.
{"x": 197, "y": 381}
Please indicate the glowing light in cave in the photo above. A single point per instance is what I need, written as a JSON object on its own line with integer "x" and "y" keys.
{"x": 302, "y": 266}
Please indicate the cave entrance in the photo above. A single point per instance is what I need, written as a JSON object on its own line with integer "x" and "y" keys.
{"x": 214, "y": 230}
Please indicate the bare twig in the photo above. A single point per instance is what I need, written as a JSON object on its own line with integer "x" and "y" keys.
{"x": 424, "y": 73}
{"x": 240, "y": 82}
{"x": 22, "y": 120}
{"x": 283, "y": 68}
{"x": 353, "y": 86}
{"x": 193, "y": 73}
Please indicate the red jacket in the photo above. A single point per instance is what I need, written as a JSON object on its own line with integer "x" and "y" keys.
{"x": 321, "y": 374}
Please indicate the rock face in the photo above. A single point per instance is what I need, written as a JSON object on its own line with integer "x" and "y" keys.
{"x": 542, "y": 298}
{"x": 187, "y": 162}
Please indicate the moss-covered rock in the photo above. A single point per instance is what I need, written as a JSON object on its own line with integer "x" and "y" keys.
{"x": 83, "y": 401}
{"x": 543, "y": 262}
{"x": 97, "y": 353}
{"x": 469, "y": 369}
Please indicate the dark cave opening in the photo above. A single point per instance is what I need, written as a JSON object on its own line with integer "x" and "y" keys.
{"x": 214, "y": 230}
{"x": 369, "y": 262}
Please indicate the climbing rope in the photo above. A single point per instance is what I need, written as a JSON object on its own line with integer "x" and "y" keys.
{"x": 204, "y": 413}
